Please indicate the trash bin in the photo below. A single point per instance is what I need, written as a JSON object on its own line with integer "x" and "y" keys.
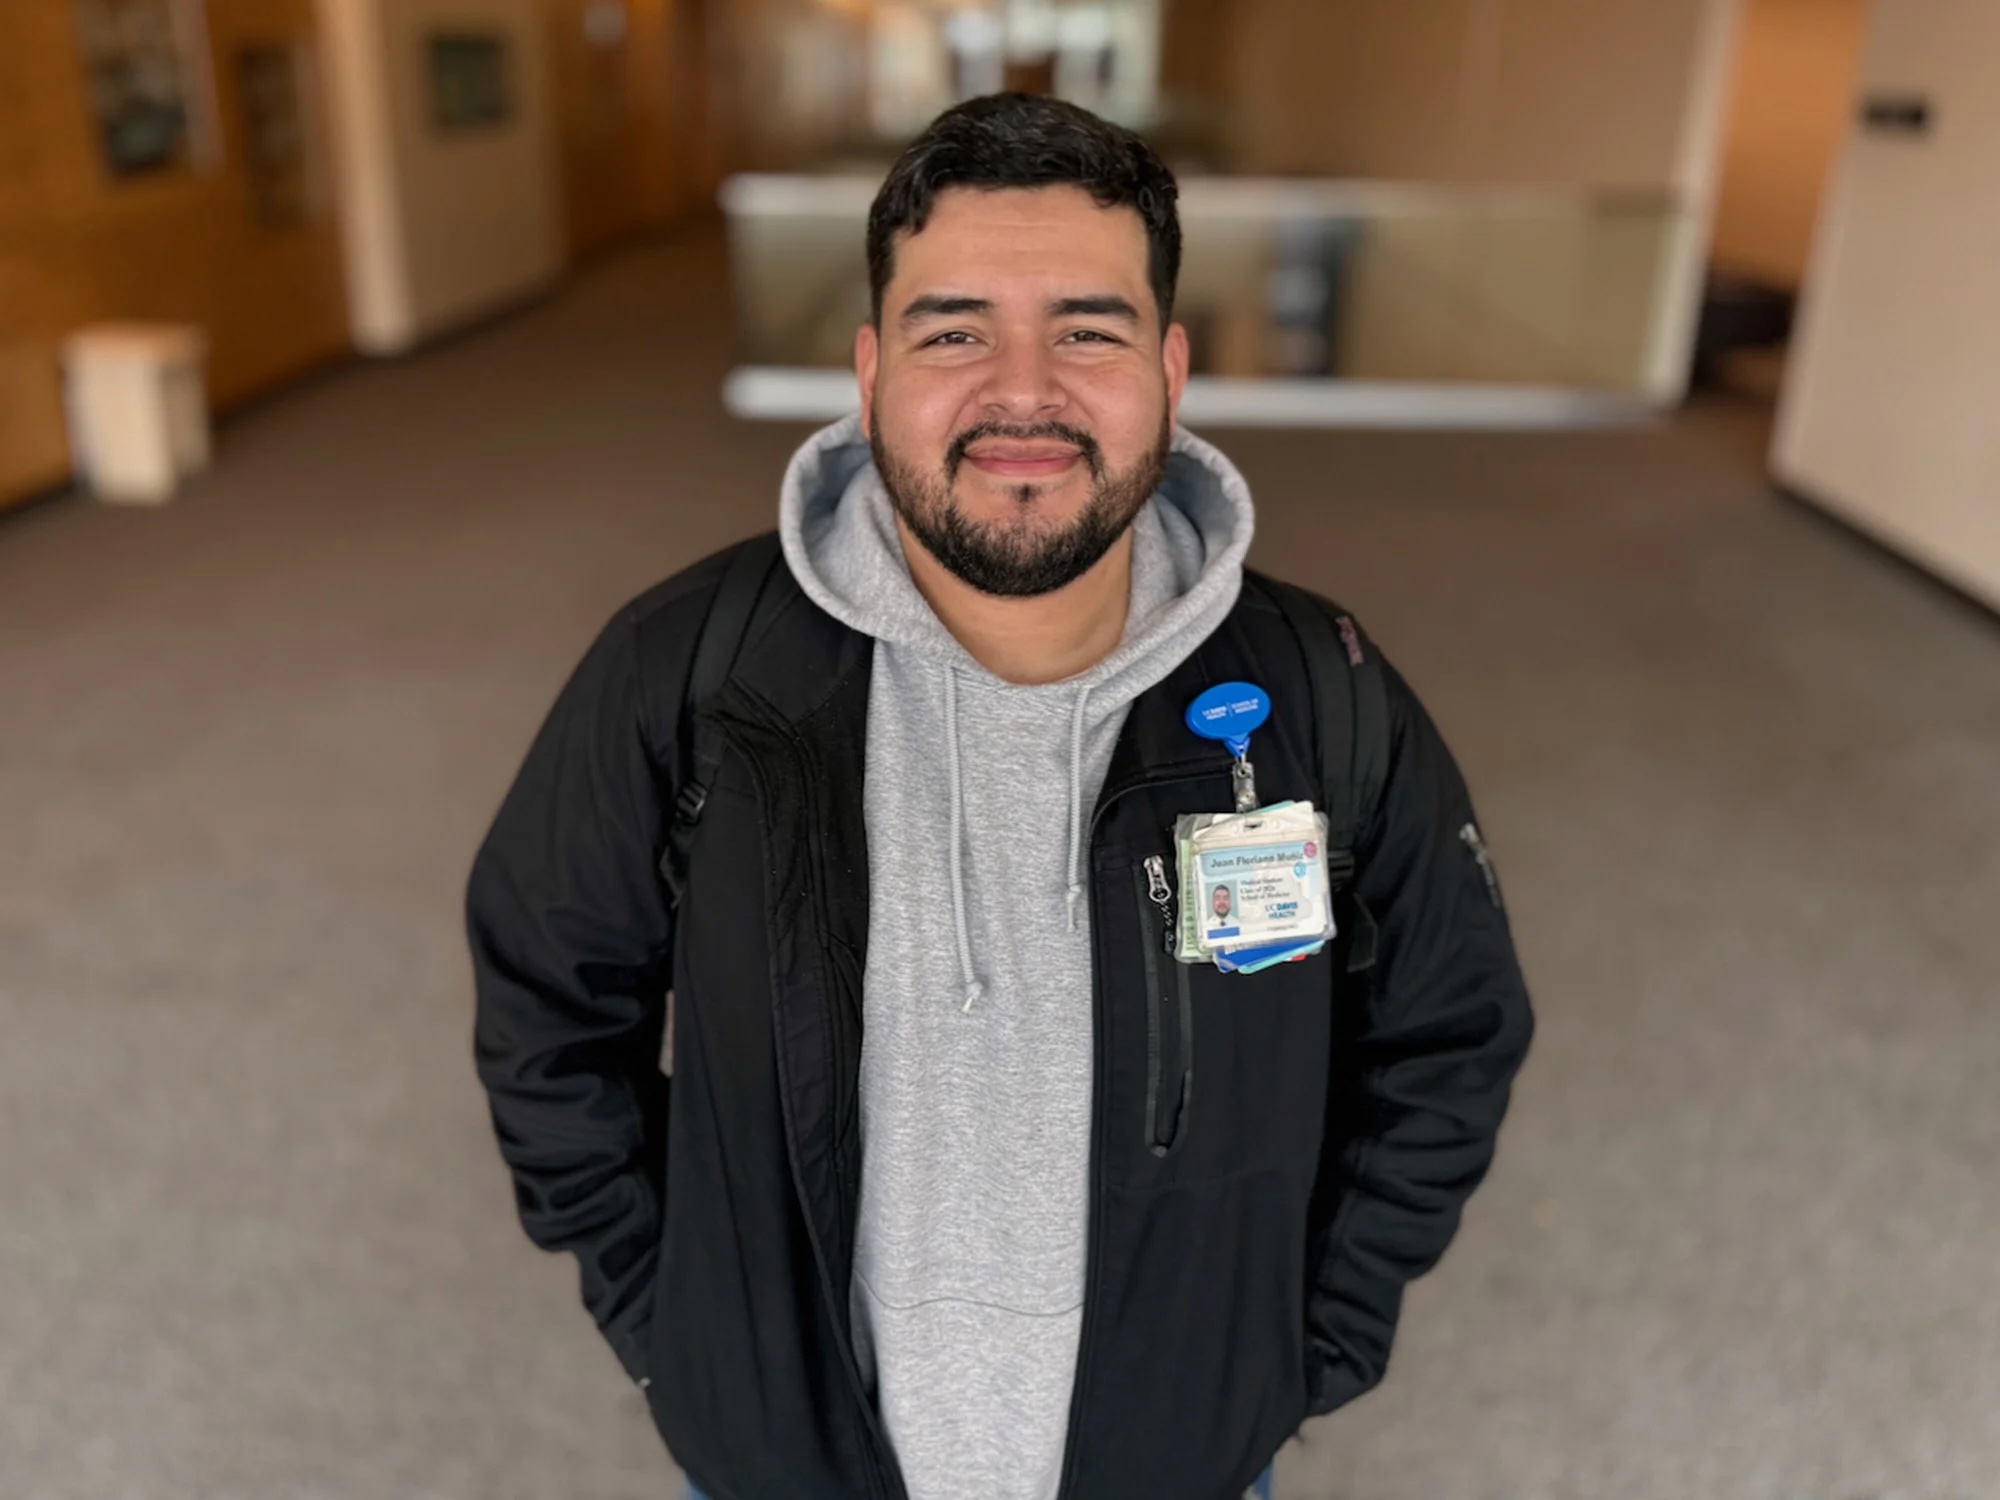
{"x": 138, "y": 410}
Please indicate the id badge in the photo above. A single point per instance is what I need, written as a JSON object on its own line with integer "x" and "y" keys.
{"x": 1253, "y": 886}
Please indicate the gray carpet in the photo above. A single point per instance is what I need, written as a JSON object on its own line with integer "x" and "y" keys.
{"x": 255, "y": 1243}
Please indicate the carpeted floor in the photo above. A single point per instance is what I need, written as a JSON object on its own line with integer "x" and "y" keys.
{"x": 1742, "y": 774}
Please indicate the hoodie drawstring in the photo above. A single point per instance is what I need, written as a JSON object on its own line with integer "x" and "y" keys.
{"x": 1075, "y": 892}
{"x": 973, "y": 988}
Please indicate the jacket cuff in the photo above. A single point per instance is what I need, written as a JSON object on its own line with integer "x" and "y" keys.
{"x": 1333, "y": 1380}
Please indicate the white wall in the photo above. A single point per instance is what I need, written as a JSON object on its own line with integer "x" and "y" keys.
{"x": 437, "y": 228}
{"x": 1889, "y": 410}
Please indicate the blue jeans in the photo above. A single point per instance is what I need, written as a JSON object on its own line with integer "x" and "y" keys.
{"x": 1261, "y": 1490}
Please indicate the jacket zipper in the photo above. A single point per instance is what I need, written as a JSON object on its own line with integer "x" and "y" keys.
{"x": 1093, "y": 1247}
{"x": 1161, "y": 1133}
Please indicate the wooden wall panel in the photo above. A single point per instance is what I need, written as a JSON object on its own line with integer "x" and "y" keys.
{"x": 78, "y": 245}
{"x": 1595, "y": 92}
{"x": 1791, "y": 102}
{"x": 625, "y": 119}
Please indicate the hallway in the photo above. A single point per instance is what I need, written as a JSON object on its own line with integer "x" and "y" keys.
{"x": 1739, "y": 772}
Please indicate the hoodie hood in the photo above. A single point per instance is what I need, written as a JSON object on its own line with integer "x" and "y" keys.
{"x": 1190, "y": 541}
{"x": 839, "y": 533}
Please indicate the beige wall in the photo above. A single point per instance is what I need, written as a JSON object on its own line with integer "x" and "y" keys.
{"x": 77, "y": 245}
{"x": 439, "y": 228}
{"x": 1888, "y": 411}
{"x": 1605, "y": 92}
{"x": 1790, "y": 103}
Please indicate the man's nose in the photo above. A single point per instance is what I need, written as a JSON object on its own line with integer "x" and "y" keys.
{"x": 1023, "y": 384}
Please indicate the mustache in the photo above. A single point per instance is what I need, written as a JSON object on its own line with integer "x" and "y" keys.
{"x": 1076, "y": 437}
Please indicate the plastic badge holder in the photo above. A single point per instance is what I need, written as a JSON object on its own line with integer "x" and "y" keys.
{"x": 1245, "y": 958}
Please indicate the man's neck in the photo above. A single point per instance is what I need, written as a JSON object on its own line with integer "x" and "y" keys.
{"x": 1048, "y": 638}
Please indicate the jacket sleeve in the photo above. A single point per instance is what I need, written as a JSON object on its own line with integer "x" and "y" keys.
{"x": 1425, "y": 1053}
{"x": 572, "y": 950}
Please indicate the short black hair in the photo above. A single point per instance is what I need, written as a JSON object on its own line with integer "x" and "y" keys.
{"x": 1027, "y": 141}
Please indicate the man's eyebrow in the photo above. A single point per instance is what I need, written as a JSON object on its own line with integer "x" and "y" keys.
{"x": 1106, "y": 305}
{"x": 934, "y": 306}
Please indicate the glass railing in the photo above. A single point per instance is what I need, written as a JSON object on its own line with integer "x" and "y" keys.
{"x": 1305, "y": 302}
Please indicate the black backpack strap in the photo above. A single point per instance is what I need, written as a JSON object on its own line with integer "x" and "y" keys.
{"x": 1351, "y": 733}
{"x": 744, "y": 578}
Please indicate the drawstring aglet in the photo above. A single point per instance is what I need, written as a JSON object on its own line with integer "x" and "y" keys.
{"x": 1075, "y": 894}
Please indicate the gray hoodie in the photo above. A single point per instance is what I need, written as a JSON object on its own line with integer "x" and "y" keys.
{"x": 976, "y": 1064}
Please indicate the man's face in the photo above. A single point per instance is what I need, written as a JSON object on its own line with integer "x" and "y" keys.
{"x": 1221, "y": 901}
{"x": 1019, "y": 395}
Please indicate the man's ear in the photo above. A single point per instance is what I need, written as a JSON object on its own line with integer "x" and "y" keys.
{"x": 867, "y": 355}
{"x": 1174, "y": 361}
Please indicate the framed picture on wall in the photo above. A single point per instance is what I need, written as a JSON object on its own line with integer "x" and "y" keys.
{"x": 144, "y": 66}
{"x": 469, "y": 78}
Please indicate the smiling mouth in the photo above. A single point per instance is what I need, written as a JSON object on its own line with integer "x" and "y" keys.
{"x": 1023, "y": 460}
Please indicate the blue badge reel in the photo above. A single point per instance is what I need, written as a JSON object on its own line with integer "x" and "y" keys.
{"x": 1231, "y": 712}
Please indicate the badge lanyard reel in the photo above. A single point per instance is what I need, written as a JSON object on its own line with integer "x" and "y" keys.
{"x": 1253, "y": 887}
{"x": 1231, "y": 712}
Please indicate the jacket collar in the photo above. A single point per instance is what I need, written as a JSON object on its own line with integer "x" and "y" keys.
{"x": 799, "y": 663}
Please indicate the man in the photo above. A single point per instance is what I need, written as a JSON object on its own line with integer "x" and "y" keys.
{"x": 964, "y": 1186}
{"x": 1221, "y": 901}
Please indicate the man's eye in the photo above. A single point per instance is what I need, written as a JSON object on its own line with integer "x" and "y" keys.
{"x": 1092, "y": 336}
{"x": 955, "y": 336}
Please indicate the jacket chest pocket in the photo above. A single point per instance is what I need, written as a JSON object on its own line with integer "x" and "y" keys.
{"x": 1169, "y": 1010}
{"x": 1214, "y": 1074}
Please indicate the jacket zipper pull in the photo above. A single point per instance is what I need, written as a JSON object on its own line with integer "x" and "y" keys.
{"x": 1162, "y": 896}
{"x": 1469, "y": 836}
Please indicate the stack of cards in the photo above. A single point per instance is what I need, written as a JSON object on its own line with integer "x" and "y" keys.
{"x": 1253, "y": 887}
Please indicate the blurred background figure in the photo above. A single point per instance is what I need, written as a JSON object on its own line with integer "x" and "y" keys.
{"x": 1550, "y": 333}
